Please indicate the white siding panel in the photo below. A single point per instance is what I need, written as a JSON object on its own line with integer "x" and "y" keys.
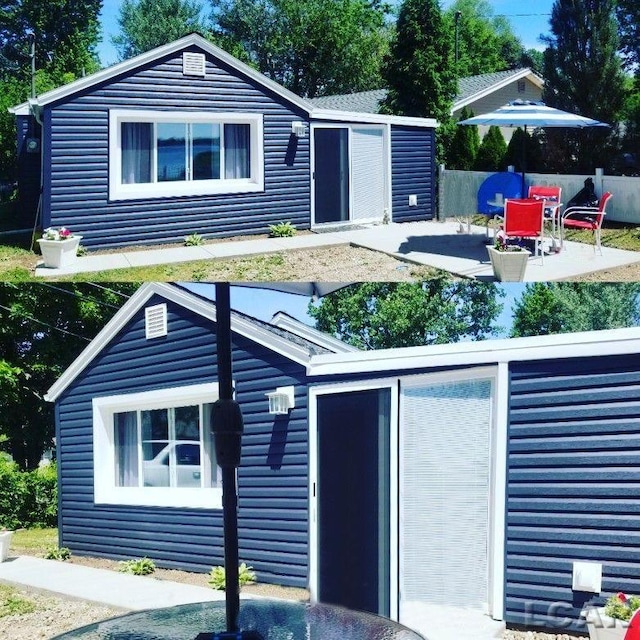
{"x": 444, "y": 501}
{"x": 368, "y": 174}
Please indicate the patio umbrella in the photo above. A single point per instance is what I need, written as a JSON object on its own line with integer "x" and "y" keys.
{"x": 524, "y": 113}
{"x": 227, "y": 427}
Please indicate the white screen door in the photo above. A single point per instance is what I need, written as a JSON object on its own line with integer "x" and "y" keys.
{"x": 368, "y": 173}
{"x": 444, "y": 493}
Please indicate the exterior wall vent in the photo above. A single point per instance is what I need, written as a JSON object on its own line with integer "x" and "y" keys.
{"x": 193, "y": 64}
{"x": 155, "y": 321}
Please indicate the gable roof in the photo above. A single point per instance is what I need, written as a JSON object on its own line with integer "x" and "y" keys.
{"x": 469, "y": 90}
{"x": 298, "y": 348}
{"x": 293, "y": 325}
{"x": 195, "y": 40}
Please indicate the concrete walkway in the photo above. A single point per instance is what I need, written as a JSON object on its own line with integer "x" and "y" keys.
{"x": 136, "y": 593}
{"x": 444, "y": 245}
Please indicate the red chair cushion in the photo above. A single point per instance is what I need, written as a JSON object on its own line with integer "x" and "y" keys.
{"x": 581, "y": 224}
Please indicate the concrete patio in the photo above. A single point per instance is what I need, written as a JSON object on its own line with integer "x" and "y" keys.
{"x": 444, "y": 245}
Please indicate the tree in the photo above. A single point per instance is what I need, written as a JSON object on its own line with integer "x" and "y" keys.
{"x": 419, "y": 69}
{"x": 492, "y": 151}
{"x": 524, "y": 143}
{"x": 382, "y": 315}
{"x": 42, "y": 330}
{"x": 312, "y": 47}
{"x": 464, "y": 144}
{"x": 146, "y": 24}
{"x": 628, "y": 15}
{"x": 486, "y": 42}
{"x": 65, "y": 32}
{"x": 583, "y": 75}
{"x": 547, "y": 308}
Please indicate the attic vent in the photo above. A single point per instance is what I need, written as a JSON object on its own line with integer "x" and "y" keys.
{"x": 155, "y": 320}
{"x": 521, "y": 86}
{"x": 193, "y": 64}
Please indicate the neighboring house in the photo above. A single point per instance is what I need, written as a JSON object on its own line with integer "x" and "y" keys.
{"x": 481, "y": 94}
{"x": 468, "y": 475}
{"x": 187, "y": 139}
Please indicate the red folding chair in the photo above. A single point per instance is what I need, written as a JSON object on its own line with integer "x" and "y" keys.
{"x": 586, "y": 218}
{"x": 524, "y": 218}
{"x": 552, "y": 197}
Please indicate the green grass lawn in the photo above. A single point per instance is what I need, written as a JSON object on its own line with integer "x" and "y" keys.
{"x": 33, "y": 542}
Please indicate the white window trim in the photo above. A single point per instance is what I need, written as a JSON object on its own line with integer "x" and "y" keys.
{"x": 120, "y": 191}
{"x": 105, "y": 489}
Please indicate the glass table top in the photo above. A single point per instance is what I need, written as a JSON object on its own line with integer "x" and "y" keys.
{"x": 273, "y": 619}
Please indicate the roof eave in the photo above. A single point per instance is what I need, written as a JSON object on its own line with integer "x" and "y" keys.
{"x": 182, "y": 297}
{"x": 127, "y": 66}
{"x": 523, "y": 73}
{"x": 372, "y": 118}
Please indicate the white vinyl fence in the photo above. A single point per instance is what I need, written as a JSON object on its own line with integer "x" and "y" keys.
{"x": 458, "y": 192}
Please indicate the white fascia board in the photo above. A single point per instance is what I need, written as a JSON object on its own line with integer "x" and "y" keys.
{"x": 123, "y": 68}
{"x": 185, "y": 299}
{"x": 372, "y": 118}
{"x": 562, "y": 346}
{"x": 523, "y": 73}
{"x": 284, "y": 321}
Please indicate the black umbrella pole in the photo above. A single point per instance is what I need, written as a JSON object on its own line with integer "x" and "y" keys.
{"x": 230, "y": 511}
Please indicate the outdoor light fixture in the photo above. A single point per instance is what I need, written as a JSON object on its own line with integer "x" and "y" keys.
{"x": 281, "y": 400}
{"x": 298, "y": 129}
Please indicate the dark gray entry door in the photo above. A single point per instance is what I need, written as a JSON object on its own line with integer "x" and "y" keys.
{"x": 331, "y": 174}
{"x": 353, "y": 500}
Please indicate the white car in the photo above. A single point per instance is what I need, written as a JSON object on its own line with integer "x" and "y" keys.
{"x": 176, "y": 465}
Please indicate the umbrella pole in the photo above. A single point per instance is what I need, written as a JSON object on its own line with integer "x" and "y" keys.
{"x": 524, "y": 158}
{"x": 227, "y": 430}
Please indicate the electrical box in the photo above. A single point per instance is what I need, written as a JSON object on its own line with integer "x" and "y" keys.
{"x": 413, "y": 201}
{"x": 587, "y": 576}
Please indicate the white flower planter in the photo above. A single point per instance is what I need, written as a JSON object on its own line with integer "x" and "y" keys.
{"x": 59, "y": 253}
{"x": 5, "y": 542}
{"x": 508, "y": 266}
{"x": 602, "y": 627}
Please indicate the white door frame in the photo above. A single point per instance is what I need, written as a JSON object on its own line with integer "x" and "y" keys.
{"x": 386, "y": 141}
{"x": 349, "y": 387}
{"x": 499, "y": 376}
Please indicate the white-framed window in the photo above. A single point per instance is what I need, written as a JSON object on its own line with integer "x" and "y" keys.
{"x": 157, "y": 154}
{"x": 155, "y": 448}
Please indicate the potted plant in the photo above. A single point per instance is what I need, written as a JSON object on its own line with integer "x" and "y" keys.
{"x": 5, "y": 542}
{"x": 509, "y": 261}
{"x": 611, "y": 622}
{"x": 59, "y": 247}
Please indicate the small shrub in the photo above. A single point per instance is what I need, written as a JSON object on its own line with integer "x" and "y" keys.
{"x": 57, "y": 553}
{"x": 194, "y": 240}
{"x": 81, "y": 251}
{"x": 282, "y": 230}
{"x": 217, "y": 580}
{"x": 13, "y": 604}
{"x": 138, "y": 567}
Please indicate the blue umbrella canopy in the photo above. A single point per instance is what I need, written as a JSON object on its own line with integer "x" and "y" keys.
{"x": 523, "y": 113}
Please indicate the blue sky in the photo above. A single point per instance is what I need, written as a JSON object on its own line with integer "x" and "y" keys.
{"x": 264, "y": 303}
{"x": 528, "y": 18}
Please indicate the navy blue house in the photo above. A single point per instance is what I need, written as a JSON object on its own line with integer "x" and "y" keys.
{"x": 498, "y": 476}
{"x": 187, "y": 139}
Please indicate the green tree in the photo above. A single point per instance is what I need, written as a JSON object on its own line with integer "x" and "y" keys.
{"x": 583, "y": 74}
{"x": 146, "y": 24}
{"x": 65, "y": 32}
{"x": 486, "y": 42}
{"x": 492, "y": 151}
{"x": 563, "y": 307}
{"x": 419, "y": 70}
{"x": 312, "y": 47}
{"x": 464, "y": 144}
{"x": 525, "y": 146}
{"x": 42, "y": 330}
{"x": 382, "y": 315}
{"x": 628, "y": 15}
